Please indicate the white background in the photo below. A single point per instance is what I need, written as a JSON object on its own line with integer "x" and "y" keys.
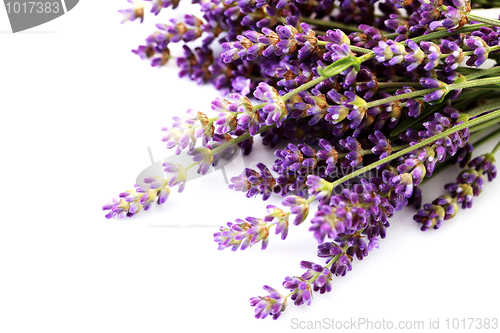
{"x": 78, "y": 113}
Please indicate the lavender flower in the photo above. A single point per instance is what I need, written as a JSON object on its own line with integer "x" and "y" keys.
{"x": 485, "y": 164}
{"x": 254, "y": 183}
{"x": 390, "y": 52}
{"x": 136, "y": 12}
{"x": 350, "y": 212}
{"x": 341, "y": 260}
{"x": 243, "y": 234}
{"x": 276, "y": 216}
{"x": 463, "y": 155}
{"x": 455, "y": 57}
{"x": 430, "y": 83}
{"x": 469, "y": 184}
{"x": 480, "y": 48}
{"x": 301, "y": 289}
{"x": 180, "y": 175}
{"x": 184, "y": 131}
{"x": 298, "y": 206}
{"x": 399, "y": 25}
{"x": 275, "y": 110}
{"x": 322, "y": 276}
{"x": 130, "y": 203}
{"x": 433, "y": 215}
{"x": 320, "y": 188}
{"x": 415, "y": 107}
{"x": 454, "y": 19}
{"x": 382, "y": 146}
{"x": 415, "y": 58}
{"x": 158, "y": 5}
{"x": 357, "y": 107}
{"x": 273, "y": 304}
{"x": 204, "y": 158}
{"x": 329, "y": 154}
{"x": 367, "y": 83}
{"x": 354, "y": 157}
{"x": 269, "y": 43}
{"x": 433, "y": 54}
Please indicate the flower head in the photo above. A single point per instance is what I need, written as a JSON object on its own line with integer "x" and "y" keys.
{"x": 273, "y": 304}
{"x": 136, "y": 12}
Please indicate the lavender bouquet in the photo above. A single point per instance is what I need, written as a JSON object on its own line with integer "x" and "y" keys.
{"x": 403, "y": 87}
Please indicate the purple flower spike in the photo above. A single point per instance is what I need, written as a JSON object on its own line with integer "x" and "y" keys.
{"x": 480, "y": 48}
{"x": 158, "y": 5}
{"x": 485, "y": 164}
{"x": 342, "y": 265}
{"x": 319, "y": 187}
{"x": 205, "y": 158}
{"x": 298, "y": 206}
{"x": 430, "y": 83}
{"x": 328, "y": 154}
{"x": 185, "y": 130}
{"x": 382, "y": 146}
{"x": 353, "y": 157}
{"x": 136, "y": 12}
{"x": 469, "y": 184}
{"x": 455, "y": 57}
{"x": 243, "y": 234}
{"x": 399, "y": 25}
{"x": 132, "y": 202}
{"x": 433, "y": 54}
{"x": 433, "y": 215}
{"x": 276, "y": 216}
{"x": 275, "y": 110}
{"x": 415, "y": 107}
{"x": 415, "y": 58}
{"x": 300, "y": 287}
{"x": 273, "y": 304}
{"x": 254, "y": 183}
{"x": 180, "y": 177}
{"x": 454, "y": 19}
{"x": 322, "y": 275}
{"x": 389, "y": 52}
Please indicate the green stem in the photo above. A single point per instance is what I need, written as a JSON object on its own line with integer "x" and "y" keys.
{"x": 360, "y": 49}
{"x": 464, "y": 99}
{"x": 484, "y": 20}
{"x": 471, "y": 96}
{"x": 446, "y": 33}
{"x": 386, "y": 85}
{"x": 421, "y": 144}
{"x": 487, "y": 138}
{"x": 496, "y": 148}
{"x": 484, "y": 125}
{"x": 463, "y": 85}
{"x": 483, "y": 72}
{"x": 400, "y": 97}
{"x": 484, "y": 108}
{"x": 303, "y": 87}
